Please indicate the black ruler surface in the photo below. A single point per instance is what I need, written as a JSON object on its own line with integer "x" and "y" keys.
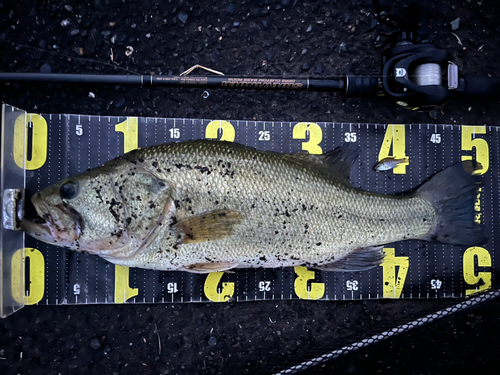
{"x": 63, "y": 145}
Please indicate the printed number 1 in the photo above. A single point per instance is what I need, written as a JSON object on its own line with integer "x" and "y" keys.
{"x": 130, "y": 130}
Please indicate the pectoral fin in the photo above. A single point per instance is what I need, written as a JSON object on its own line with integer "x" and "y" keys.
{"x": 210, "y": 267}
{"x": 210, "y": 226}
{"x": 358, "y": 260}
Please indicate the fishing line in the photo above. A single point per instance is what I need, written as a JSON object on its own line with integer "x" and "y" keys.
{"x": 68, "y": 56}
{"x": 308, "y": 364}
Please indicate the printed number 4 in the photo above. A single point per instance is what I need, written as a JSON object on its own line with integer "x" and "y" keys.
{"x": 264, "y": 135}
{"x": 350, "y": 137}
{"x": 175, "y": 133}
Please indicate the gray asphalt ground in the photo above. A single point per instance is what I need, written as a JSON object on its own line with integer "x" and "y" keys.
{"x": 249, "y": 337}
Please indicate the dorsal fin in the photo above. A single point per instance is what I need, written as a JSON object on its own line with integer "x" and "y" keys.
{"x": 339, "y": 161}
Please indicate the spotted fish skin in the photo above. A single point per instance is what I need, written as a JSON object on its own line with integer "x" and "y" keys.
{"x": 204, "y": 206}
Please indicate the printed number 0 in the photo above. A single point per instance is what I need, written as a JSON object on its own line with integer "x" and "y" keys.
{"x": 39, "y": 137}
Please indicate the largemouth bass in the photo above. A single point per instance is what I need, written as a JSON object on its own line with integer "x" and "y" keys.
{"x": 204, "y": 206}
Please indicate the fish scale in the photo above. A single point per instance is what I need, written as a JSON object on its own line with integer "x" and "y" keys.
{"x": 270, "y": 191}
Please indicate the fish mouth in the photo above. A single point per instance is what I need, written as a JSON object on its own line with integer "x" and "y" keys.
{"x": 59, "y": 224}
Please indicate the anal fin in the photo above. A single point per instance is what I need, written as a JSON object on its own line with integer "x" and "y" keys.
{"x": 358, "y": 260}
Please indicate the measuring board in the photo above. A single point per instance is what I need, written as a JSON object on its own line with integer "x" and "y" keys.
{"x": 58, "y": 146}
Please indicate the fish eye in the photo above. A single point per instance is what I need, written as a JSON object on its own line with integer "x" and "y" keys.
{"x": 67, "y": 191}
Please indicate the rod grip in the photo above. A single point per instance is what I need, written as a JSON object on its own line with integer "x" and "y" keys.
{"x": 357, "y": 86}
{"x": 481, "y": 87}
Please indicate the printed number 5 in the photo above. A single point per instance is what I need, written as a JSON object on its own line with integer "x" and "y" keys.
{"x": 79, "y": 129}
{"x": 482, "y": 150}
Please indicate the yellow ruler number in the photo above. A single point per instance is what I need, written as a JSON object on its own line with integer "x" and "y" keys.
{"x": 304, "y": 129}
{"x": 470, "y": 142}
{"x": 315, "y": 291}
{"x": 123, "y": 291}
{"x": 130, "y": 130}
{"x": 481, "y": 280}
{"x": 211, "y": 288}
{"x": 39, "y": 138}
{"x": 393, "y": 279}
{"x": 395, "y": 138}
{"x": 36, "y": 277}
{"x": 226, "y": 128}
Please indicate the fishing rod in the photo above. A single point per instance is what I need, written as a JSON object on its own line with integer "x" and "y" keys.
{"x": 414, "y": 72}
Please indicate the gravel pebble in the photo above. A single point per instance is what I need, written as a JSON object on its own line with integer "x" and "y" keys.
{"x": 183, "y": 17}
{"x": 95, "y": 343}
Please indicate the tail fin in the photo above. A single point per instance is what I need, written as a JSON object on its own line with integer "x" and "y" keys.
{"x": 452, "y": 192}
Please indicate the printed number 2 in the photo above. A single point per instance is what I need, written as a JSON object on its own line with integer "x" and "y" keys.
{"x": 395, "y": 138}
{"x": 481, "y": 146}
{"x": 227, "y": 129}
{"x": 215, "y": 293}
